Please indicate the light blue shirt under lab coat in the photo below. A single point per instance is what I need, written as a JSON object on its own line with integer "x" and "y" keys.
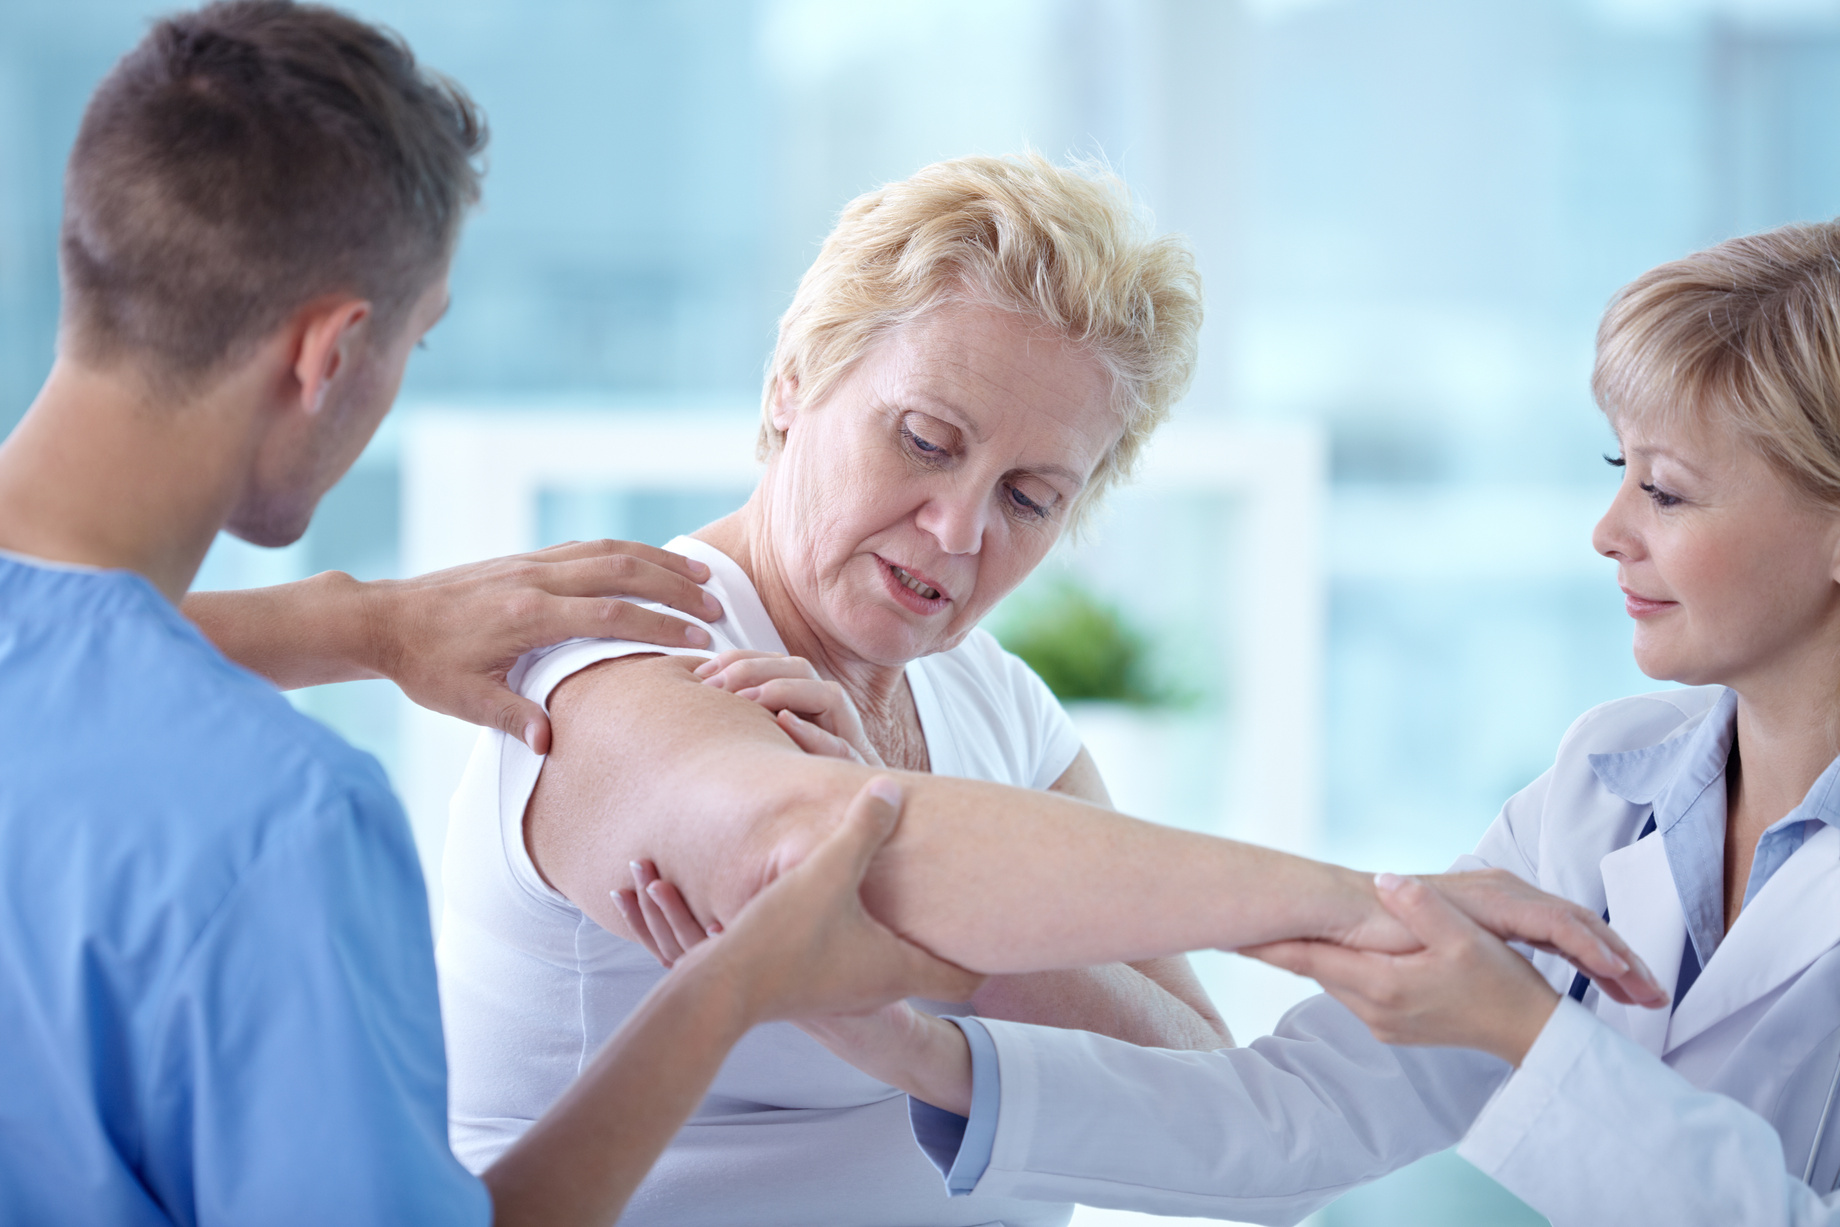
{"x": 217, "y": 985}
{"x": 1680, "y": 782}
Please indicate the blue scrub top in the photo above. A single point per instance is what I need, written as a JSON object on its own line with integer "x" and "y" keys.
{"x": 217, "y": 984}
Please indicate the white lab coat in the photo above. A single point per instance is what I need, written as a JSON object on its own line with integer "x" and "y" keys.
{"x": 1618, "y": 1115}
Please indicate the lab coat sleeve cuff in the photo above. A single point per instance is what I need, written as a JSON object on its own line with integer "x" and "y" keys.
{"x": 1516, "y": 1109}
{"x": 960, "y": 1146}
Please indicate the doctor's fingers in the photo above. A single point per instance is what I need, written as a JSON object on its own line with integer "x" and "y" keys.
{"x": 1518, "y": 911}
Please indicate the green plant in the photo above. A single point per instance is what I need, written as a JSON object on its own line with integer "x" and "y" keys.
{"x": 1082, "y": 647}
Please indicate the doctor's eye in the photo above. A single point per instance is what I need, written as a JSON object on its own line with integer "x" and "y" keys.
{"x": 1660, "y": 497}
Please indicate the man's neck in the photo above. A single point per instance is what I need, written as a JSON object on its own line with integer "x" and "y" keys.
{"x": 101, "y": 473}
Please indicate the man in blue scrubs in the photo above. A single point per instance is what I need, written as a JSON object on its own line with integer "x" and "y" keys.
{"x": 217, "y": 989}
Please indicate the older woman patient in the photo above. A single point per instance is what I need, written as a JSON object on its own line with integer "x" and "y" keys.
{"x": 977, "y": 352}
{"x": 976, "y": 355}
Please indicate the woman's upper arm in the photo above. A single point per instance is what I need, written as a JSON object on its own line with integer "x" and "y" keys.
{"x": 1082, "y": 780}
{"x": 646, "y": 762}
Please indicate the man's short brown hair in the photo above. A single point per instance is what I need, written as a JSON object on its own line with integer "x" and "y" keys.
{"x": 245, "y": 159}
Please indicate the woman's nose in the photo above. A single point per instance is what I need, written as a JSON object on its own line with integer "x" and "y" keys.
{"x": 956, "y": 523}
{"x": 1614, "y": 536}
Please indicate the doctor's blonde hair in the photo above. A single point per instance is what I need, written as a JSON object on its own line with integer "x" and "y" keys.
{"x": 1060, "y": 246}
{"x": 1745, "y": 334}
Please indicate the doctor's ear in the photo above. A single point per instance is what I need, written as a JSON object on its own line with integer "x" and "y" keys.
{"x": 329, "y": 334}
{"x": 785, "y": 402}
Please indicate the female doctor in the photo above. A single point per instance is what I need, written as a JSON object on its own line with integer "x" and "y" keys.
{"x": 1702, "y": 820}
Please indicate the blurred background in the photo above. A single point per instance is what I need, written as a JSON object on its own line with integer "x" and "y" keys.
{"x": 1360, "y": 608}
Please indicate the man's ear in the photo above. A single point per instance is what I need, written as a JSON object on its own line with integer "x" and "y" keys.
{"x": 785, "y": 402}
{"x": 329, "y": 333}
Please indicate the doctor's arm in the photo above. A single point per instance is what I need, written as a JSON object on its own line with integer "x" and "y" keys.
{"x": 448, "y": 639}
{"x": 1591, "y": 1128}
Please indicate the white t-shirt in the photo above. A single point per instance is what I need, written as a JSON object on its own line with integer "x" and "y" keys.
{"x": 531, "y": 987}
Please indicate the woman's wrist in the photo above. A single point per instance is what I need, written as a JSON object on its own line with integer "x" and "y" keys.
{"x": 938, "y": 1070}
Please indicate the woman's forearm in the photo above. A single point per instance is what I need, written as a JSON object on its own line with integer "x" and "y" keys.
{"x": 1114, "y": 999}
{"x": 1021, "y": 881}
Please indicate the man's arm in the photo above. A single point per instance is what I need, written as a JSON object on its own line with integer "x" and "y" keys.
{"x": 805, "y": 943}
{"x": 449, "y": 638}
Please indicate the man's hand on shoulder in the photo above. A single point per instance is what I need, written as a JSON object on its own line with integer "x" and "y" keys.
{"x": 449, "y": 639}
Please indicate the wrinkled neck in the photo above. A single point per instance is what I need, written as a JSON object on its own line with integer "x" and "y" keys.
{"x": 751, "y": 537}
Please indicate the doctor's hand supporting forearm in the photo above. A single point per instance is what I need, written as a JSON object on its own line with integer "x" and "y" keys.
{"x": 1465, "y": 989}
{"x": 448, "y": 639}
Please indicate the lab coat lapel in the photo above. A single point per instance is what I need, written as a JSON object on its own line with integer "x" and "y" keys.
{"x": 1645, "y": 909}
{"x": 1793, "y": 920}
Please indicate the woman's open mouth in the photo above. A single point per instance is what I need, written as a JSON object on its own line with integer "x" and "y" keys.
{"x": 912, "y": 591}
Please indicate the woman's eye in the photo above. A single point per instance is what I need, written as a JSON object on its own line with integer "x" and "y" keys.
{"x": 923, "y": 446}
{"x": 1660, "y": 497}
{"x": 1026, "y": 505}
{"x": 1615, "y": 462}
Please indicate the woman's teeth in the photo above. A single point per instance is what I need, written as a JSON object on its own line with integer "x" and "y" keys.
{"x": 908, "y": 581}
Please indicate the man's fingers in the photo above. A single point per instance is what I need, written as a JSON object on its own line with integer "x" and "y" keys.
{"x": 512, "y": 714}
{"x": 927, "y": 975}
{"x": 866, "y": 826}
{"x": 623, "y": 575}
{"x": 608, "y": 548}
{"x": 591, "y": 617}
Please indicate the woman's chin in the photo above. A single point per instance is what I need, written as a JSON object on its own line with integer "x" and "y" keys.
{"x": 882, "y": 637}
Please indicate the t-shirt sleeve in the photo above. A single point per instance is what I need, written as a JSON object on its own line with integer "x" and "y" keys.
{"x": 299, "y": 1075}
{"x": 1053, "y": 742}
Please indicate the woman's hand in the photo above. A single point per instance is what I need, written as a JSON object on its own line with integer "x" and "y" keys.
{"x": 1463, "y": 989}
{"x": 815, "y": 713}
{"x": 919, "y": 1053}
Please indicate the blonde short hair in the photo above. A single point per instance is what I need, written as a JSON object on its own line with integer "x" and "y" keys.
{"x": 1059, "y": 245}
{"x": 1747, "y": 334}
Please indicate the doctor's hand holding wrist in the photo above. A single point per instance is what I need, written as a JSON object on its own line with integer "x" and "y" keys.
{"x": 449, "y": 639}
{"x": 1464, "y": 989}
